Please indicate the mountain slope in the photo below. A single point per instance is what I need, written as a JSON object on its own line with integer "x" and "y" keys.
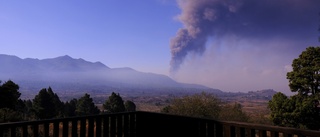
{"x": 68, "y": 74}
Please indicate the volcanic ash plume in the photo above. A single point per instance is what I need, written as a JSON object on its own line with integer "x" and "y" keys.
{"x": 198, "y": 17}
{"x": 247, "y": 19}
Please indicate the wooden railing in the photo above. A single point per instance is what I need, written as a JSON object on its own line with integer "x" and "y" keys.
{"x": 145, "y": 124}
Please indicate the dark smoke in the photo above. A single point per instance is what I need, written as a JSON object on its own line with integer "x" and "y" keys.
{"x": 257, "y": 19}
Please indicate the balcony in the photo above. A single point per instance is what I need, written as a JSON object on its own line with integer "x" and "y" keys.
{"x": 145, "y": 124}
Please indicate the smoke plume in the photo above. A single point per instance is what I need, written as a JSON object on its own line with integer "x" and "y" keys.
{"x": 256, "y": 19}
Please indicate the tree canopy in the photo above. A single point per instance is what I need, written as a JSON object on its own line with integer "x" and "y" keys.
{"x": 233, "y": 112}
{"x": 295, "y": 111}
{"x": 9, "y": 95}
{"x": 47, "y": 104}
{"x": 85, "y": 106}
{"x": 305, "y": 77}
{"x": 300, "y": 110}
{"x": 198, "y": 105}
{"x": 10, "y": 104}
{"x": 114, "y": 104}
{"x": 130, "y": 106}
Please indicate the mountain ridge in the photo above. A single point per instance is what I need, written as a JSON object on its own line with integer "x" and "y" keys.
{"x": 82, "y": 74}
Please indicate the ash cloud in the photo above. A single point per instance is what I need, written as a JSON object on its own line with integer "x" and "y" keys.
{"x": 247, "y": 19}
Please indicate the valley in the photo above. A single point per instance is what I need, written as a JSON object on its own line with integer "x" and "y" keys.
{"x": 72, "y": 78}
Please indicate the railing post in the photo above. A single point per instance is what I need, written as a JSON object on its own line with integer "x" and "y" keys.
{"x": 274, "y": 134}
{"x": 286, "y": 135}
{"x": 210, "y": 129}
{"x": 241, "y": 132}
{"x": 13, "y": 131}
{"x": 24, "y": 131}
{"x": 65, "y": 128}
{"x": 132, "y": 124}
{"x": 46, "y": 129}
{"x": 139, "y": 125}
{"x": 262, "y": 133}
{"x": 226, "y": 131}
{"x": 219, "y": 130}
{"x": 56, "y": 128}
{"x": 113, "y": 126}
{"x": 98, "y": 126}
{"x": 83, "y": 124}
{"x": 126, "y": 125}
{"x": 74, "y": 128}
{"x": 232, "y": 131}
{"x": 202, "y": 128}
{"x": 251, "y": 132}
{"x": 1, "y": 131}
{"x": 105, "y": 126}
{"x": 90, "y": 126}
{"x": 119, "y": 125}
{"x": 35, "y": 130}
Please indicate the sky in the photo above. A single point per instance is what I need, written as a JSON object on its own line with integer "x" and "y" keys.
{"x": 231, "y": 45}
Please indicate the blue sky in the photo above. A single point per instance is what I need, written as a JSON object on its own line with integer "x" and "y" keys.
{"x": 226, "y": 44}
{"x": 117, "y": 33}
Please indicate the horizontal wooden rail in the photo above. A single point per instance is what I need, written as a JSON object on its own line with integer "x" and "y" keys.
{"x": 145, "y": 124}
{"x": 86, "y": 126}
{"x": 241, "y": 129}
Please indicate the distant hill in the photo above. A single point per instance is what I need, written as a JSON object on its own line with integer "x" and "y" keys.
{"x": 265, "y": 94}
{"x": 69, "y": 75}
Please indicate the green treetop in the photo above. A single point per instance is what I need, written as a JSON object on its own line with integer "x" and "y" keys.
{"x": 305, "y": 76}
{"x": 85, "y": 106}
{"x": 114, "y": 104}
{"x": 300, "y": 110}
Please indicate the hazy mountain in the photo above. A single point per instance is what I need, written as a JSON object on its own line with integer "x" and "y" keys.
{"x": 68, "y": 74}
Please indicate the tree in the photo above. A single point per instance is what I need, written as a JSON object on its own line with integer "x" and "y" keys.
{"x": 296, "y": 111}
{"x": 10, "y": 103}
{"x": 198, "y": 105}
{"x": 114, "y": 104}
{"x": 58, "y": 104}
{"x": 281, "y": 108}
{"x": 233, "y": 113}
{"x": 130, "y": 106}
{"x": 305, "y": 76}
{"x": 9, "y": 115}
{"x": 300, "y": 110}
{"x": 85, "y": 106}
{"x": 47, "y": 104}
{"x": 9, "y": 95}
{"x": 70, "y": 108}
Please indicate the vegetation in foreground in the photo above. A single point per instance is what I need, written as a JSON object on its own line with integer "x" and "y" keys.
{"x": 301, "y": 110}
{"x": 206, "y": 105}
{"x": 47, "y": 104}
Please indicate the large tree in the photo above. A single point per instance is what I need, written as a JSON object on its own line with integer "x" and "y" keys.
{"x": 47, "y": 104}
{"x": 10, "y": 104}
{"x": 295, "y": 111}
{"x": 233, "y": 112}
{"x": 305, "y": 76}
{"x": 85, "y": 106}
{"x": 130, "y": 106}
{"x": 70, "y": 108}
{"x": 203, "y": 105}
{"x": 300, "y": 110}
{"x": 9, "y": 95}
{"x": 114, "y": 104}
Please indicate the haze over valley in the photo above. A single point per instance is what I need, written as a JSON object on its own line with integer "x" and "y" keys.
{"x": 75, "y": 76}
